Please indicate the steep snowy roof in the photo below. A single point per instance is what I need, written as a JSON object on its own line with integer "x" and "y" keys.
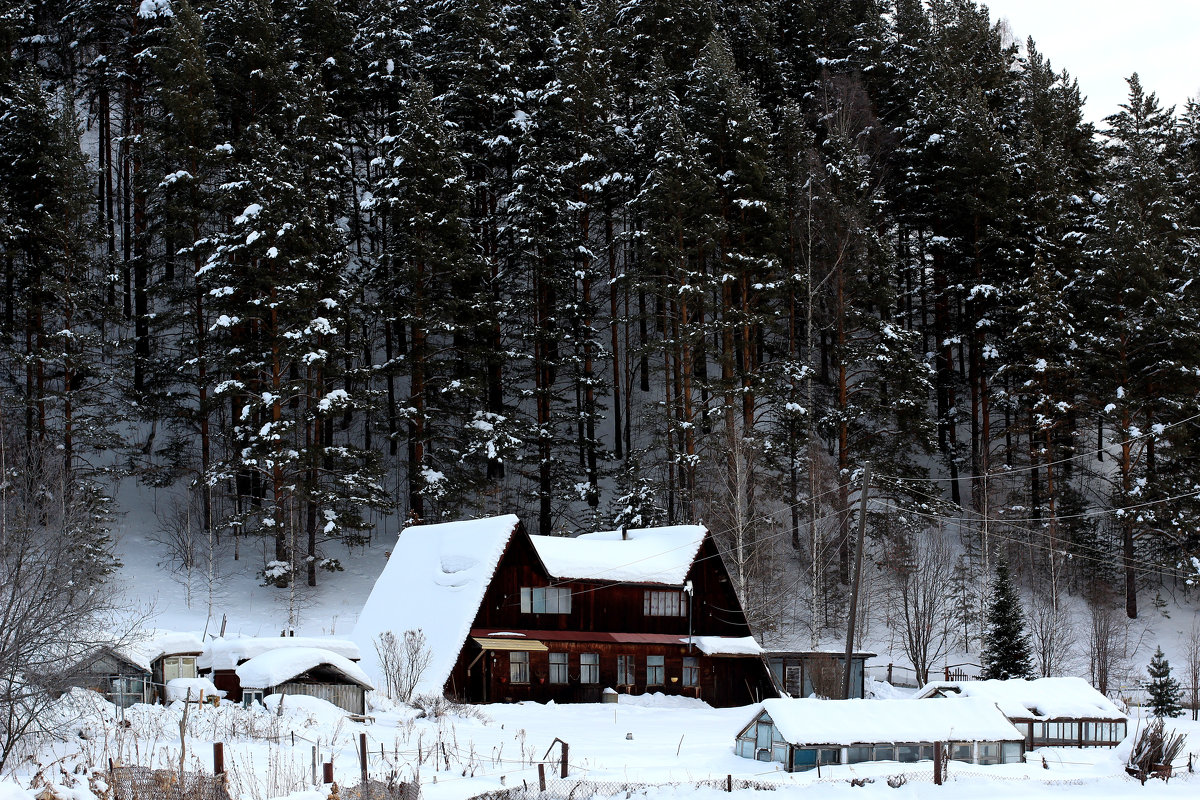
{"x": 1041, "y": 698}
{"x": 228, "y": 653}
{"x": 274, "y": 667}
{"x": 645, "y": 555}
{"x": 810, "y": 721}
{"x": 434, "y": 582}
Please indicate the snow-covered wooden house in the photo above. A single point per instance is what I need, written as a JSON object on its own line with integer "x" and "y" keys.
{"x": 507, "y": 616}
{"x": 805, "y": 734}
{"x": 247, "y": 669}
{"x": 1050, "y": 712}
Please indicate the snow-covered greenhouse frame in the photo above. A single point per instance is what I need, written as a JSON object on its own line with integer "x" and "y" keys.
{"x": 1049, "y": 712}
{"x": 805, "y": 734}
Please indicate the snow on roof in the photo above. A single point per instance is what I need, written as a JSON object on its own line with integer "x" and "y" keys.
{"x": 172, "y": 643}
{"x": 846, "y": 722}
{"x": 228, "y": 653}
{"x": 646, "y": 555}
{"x": 434, "y": 582}
{"x": 1040, "y": 698}
{"x": 726, "y": 645}
{"x": 276, "y": 667}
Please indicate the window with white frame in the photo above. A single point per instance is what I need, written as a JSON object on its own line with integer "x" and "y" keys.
{"x": 589, "y": 667}
{"x": 655, "y": 670}
{"x": 518, "y": 666}
{"x": 545, "y": 600}
{"x": 558, "y": 667}
{"x": 179, "y": 667}
{"x": 664, "y": 604}
{"x": 251, "y": 697}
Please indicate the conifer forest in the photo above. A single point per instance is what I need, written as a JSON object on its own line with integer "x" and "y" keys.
{"x": 319, "y": 268}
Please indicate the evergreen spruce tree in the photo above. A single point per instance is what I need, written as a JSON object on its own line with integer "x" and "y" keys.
{"x": 1165, "y": 692}
{"x": 1006, "y": 652}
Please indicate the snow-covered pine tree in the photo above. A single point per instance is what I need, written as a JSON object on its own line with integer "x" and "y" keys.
{"x": 1165, "y": 694}
{"x": 1006, "y": 652}
{"x": 1141, "y": 324}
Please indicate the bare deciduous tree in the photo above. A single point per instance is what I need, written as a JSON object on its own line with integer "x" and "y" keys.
{"x": 56, "y": 611}
{"x": 1051, "y": 634}
{"x": 922, "y": 569}
{"x": 403, "y": 660}
{"x": 1193, "y": 670}
{"x": 1103, "y": 636}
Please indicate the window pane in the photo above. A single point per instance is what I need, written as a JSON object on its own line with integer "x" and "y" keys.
{"x": 526, "y": 600}
{"x": 908, "y": 753}
{"x": 589, "y": 668}
{"x": 655, "y": 670}
{"x": 961, "y": 751}
{"x": 829, "y": 756}
{"x": 691, "y": 671}
{"x": 857, "y": 755}
{"x": 885, "y": 753}
{"x": 518, "y": 666}
{"x": 558, "y": 667}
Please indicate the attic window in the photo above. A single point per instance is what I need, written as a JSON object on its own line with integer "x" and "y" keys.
{"x": 545, "y": 600}
{"x": 664, "y": 604}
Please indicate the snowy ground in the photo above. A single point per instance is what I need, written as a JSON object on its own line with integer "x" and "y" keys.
{"x": 652, "y": 740}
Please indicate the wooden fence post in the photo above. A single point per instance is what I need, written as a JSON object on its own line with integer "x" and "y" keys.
{"x": 937, "y": 763}
{"x": 728, "y": 783}
{"x": 889, "y": 673}
{"x": 362, "y": 758}
{"x": 566, "y": 747}
{"x": 327, "y": 772}
{"x": 541, "y": 777}
{"x": 314, "y": 764}
{"x": 218, "y": 759}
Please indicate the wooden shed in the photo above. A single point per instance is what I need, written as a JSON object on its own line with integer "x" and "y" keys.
{"x": 118, "y": 675}
{"x": 803, "y": 673}
{"x": 805, "y": 734}
{"x": 308, "y": 671}
{"x": 1049, "y": 712}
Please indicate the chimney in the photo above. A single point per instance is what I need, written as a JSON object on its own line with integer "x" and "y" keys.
{"x": 624, "y": 534}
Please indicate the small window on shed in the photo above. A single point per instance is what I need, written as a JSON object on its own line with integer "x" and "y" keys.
{"x": 961, "y": 751}
{"x": 885, "y": 752}
{"x": 179, "y": 667}
{"x": 1010, "y": 752}
{"x": 908, "y": 753}
{"x": 989, "y": 753}
{"x": 251, "y": 697}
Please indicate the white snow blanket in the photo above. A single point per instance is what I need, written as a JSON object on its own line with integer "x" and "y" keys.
{"x": 178, "y": 688}
{"x": 434, "y": 582}
{"x": 646, "y": 555}
{"x": 279, "y": 666}
{"x": 809, "y": 721}
{"x": 1041, "y": 698}
{"x": 228, "y": 653}
{"x": 726, "y": 645}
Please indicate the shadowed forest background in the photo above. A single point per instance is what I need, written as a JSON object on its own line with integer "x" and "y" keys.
{"x": 314, "y": 266}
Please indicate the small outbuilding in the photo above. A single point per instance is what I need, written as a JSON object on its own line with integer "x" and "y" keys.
{"x": 1049, "y": 712}
{"x": 222, "y": 658}
{"x": 118, "y": 673}
{"x": 806, "y": 734}
{"x": 308, "y": 671}
{"x": 172, "y": 656}
{"x": 802, "y": 673}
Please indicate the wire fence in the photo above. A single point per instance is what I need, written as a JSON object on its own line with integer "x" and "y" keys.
{"x": 565, "y": 789}
{"x": 143, "y": 783}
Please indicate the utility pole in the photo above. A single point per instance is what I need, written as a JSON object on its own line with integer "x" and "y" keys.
{"x": 857, "y": 581}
